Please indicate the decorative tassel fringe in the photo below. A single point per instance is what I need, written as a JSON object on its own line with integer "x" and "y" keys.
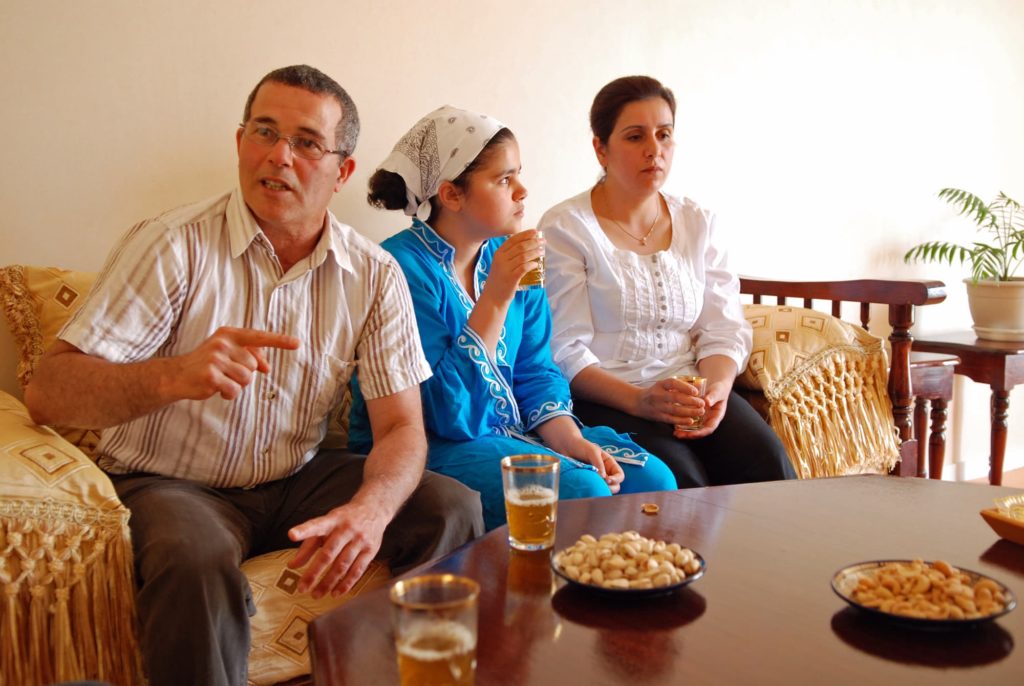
{"x": 834, "y": 415}
{"x": 68, "y": 611}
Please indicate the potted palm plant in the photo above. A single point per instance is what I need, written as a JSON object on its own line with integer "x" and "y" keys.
{"x": 994, "y": 293}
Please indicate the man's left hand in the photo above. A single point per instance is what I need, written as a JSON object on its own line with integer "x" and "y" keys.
{"x": 339, "y": 546}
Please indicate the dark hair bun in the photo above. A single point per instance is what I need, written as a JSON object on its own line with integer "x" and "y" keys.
{"x": 387, "y": 190}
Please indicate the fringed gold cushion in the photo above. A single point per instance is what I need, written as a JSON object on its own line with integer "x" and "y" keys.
{"x": 68, "y": 605}
{"x": 280, "y": 647}
{"x": 37, "y": 301}
{"x": 825, "y": 383}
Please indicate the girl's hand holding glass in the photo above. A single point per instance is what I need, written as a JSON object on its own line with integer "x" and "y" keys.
{"x": 517, "y": 256}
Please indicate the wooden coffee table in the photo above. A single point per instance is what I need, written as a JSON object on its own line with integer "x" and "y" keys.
{"x": 763, "y": 613}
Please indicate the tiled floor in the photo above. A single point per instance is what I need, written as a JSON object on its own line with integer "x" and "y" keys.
{"x": 1015, "y": 479}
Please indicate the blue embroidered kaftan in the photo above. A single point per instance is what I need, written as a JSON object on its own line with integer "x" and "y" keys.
{"x": 479, "y": 408}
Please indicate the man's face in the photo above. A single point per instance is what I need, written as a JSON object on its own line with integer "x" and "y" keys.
{"x": 289, "y": 194}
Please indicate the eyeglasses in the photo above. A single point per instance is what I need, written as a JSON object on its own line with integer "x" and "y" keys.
{"x": 302, "y": 146}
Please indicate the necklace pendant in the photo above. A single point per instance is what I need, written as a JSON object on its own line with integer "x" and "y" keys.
{"x": 643, "y": 241}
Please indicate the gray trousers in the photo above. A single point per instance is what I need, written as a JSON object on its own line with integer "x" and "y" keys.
{"x": 194, "y": 603}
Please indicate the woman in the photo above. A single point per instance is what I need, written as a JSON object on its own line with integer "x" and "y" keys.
{"x": 641, "y": 294}
{"x": 495, "y": 389}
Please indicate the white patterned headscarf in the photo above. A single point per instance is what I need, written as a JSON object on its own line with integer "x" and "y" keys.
{"x": 437, "y": 149}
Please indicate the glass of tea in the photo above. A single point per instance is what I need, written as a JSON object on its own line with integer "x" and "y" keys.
{"x": 435, "y": 622}
{"x": 535, "y": 277}
{"x": 531, "y": 500}
{"x": 701, "y": 384}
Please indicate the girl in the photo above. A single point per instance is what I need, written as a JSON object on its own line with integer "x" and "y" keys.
{"x": 495, "y": 390}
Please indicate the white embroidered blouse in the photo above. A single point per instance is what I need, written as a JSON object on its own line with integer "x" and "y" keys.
{"x": 642, "y": 318}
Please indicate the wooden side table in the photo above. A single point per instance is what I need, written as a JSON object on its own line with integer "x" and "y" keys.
{"x": 931, "y": 381}
{"x": 1000, "y": 364}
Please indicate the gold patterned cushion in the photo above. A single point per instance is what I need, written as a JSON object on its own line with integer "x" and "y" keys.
{"x": 825, "y": 383}
{"x": 40, "y": 464}
{"x": 280, "y": 648}
{"x": 65, "y": 561}
{"x": 37, "y": 301}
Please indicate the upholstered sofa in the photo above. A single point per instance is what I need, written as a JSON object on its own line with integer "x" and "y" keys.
{"x": 68, "y": 609}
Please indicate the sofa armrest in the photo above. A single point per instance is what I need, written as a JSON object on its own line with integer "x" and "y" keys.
{"x": 65, "y": 562}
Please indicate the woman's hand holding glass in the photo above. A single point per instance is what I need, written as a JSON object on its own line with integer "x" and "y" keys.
{"x": 716, "y": 399}
{"x": 671, "y": 401}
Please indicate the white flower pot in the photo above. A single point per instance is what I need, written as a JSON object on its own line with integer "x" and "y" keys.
{"x": 997, "y": 308}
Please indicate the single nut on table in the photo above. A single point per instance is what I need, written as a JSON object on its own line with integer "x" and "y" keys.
{"x": 627, "y": 560}
{"x": 649, "y": 508}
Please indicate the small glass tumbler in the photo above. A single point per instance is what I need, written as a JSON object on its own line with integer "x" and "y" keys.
{"x": 533, "y": 278}
{"x": 701, "y": 385}
{"x": 435, "y": 622}
{"x": 531, "y": 500}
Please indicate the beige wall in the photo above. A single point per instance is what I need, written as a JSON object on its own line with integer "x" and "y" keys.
{"x": 819, "y": 131}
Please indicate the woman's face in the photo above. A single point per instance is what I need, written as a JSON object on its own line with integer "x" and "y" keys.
{"x": 494, "y": 195}
{"x": 638, "y": 154}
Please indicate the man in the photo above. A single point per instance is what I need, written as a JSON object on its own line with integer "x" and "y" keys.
{"x": 215, "y": 344}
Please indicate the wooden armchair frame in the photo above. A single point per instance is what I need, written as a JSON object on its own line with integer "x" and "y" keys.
{"x": 900, "y": 297}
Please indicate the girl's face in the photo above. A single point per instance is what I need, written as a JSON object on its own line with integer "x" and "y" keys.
{"x": 492, "y": 204}
{"x": 638, "y": 155}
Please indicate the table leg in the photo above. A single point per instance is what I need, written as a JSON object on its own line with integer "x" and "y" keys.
{"x": 937, "y": 439}
{"x": 920, "y": 426}
{"x": 1000, "y": 423}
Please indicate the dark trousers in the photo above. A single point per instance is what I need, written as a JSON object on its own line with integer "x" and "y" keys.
{"x": 743, "y": 448}
{"x": 189, "y": 539}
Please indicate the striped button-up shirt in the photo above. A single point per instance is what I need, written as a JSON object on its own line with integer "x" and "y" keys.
{"x": 174, "y": 280}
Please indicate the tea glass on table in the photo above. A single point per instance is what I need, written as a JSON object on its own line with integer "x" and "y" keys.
{"x": 701, "y": 384}
{"x": 435, "y": 622}
{"x": 531, "y": 500}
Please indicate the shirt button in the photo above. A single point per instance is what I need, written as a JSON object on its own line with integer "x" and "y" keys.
{"x": 663, "y": 307}
{"x": 663, "y": 319}
{"x": 657, "y": 273}
{"x": 270, "y": 395}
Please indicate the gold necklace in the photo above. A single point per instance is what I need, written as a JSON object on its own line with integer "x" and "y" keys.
{"x": 642, "y": 240}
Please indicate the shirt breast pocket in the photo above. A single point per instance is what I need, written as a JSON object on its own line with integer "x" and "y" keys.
{"x": 331, "y": 383}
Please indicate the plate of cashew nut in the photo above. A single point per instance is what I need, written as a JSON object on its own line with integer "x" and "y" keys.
{"x": 627, "y": 564}
{"x": 928, "y": 594}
